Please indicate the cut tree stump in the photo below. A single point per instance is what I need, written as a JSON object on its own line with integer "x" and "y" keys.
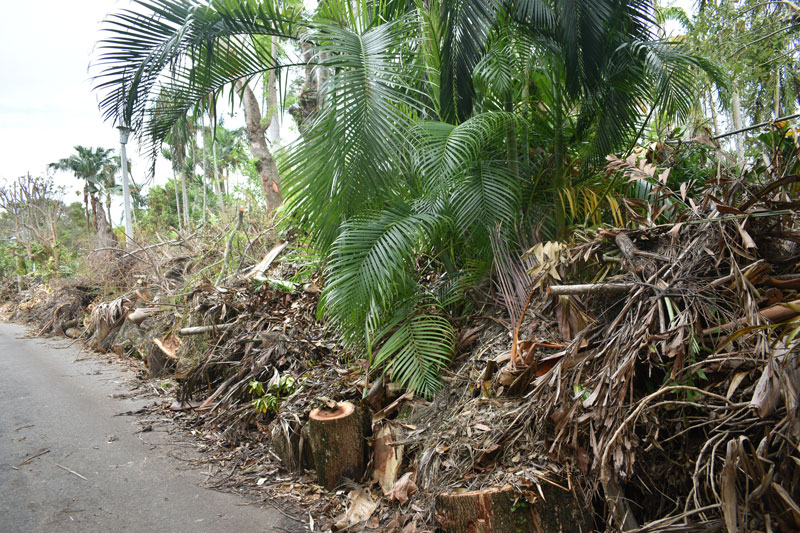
{"x": 504, "y": 510}
{"x": 337, "y": 440}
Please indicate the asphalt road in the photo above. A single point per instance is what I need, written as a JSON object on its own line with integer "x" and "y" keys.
{"x": 49, "y": 402}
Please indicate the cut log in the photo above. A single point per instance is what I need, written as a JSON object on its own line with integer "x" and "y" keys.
{"x": 503, "y": 510}
{"x": 337, "y": 444}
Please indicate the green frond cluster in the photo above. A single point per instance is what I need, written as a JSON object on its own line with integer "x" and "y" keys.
{"x": 441, "y": 124}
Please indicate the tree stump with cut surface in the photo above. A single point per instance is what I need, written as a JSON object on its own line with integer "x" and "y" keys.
{"x": 504, "y": 510}
{"x": 337, "y": 444}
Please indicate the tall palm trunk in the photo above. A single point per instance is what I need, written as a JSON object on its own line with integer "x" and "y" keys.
{"x": 265, "y": 163}
{"x": 274, "y": 131}
{"x": 204, "y": 176}
{"x": 177, "y": 197}
{"x": 737, "y": 122}
{"x": 86, "y": 205}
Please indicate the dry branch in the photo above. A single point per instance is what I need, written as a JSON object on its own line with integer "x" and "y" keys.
{"x": 590, "y": 288}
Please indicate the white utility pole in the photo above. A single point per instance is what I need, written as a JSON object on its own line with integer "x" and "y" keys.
{"x": 124, "y": 133}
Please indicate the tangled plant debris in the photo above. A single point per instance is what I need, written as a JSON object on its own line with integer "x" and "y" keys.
{"x": 635, "y": 378}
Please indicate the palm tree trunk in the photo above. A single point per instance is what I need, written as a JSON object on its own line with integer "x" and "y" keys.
{"x": 86, "y": 205}
{"x": 274, "y": 131}
{"x": 558, "y": 156}
{"x": 180, "y": 154}
{"x": 737, "y": 123}
{"x": 511, "y": 139}
{"x": 713, "y": 107}
{"x": 217, "y": 183}
{"x": 177, "y": 197}
{"x": 265, "y": 163}
{"x": 108, "y": 207}
{"x": 204, "y": 178}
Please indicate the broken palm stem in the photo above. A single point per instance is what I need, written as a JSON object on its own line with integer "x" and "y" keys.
{"x": 516, "y": 330}
{"x": 773, "y": 314}
{"x": 199, "y": 330}
{"x": 590, "y": 288}
{"x": 263, "y": 265}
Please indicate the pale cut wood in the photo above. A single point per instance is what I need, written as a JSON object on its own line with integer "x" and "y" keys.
{"x": 264, "y": 264}
{"x": 138, "y": 315}
{"x": 199, "y": 330}
{"x": 388, "y": 457}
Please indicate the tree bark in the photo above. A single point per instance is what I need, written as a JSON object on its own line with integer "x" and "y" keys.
{"x": 273, "y": 113}
{"x": 337, "y": 444}
{"x": 204, "y": 176}
{"x": 306, "y": 106}
{"x": 503, "y": 510}
{"x": 737, "y": 123}
{"x": 177, "y": 197}
{"x": 265, "y": 163}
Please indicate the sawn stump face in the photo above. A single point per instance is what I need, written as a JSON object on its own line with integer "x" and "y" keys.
{"x": 503, "y": 510}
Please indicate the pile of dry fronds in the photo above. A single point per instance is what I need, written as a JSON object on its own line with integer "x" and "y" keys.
{"x": 661, "y": 382}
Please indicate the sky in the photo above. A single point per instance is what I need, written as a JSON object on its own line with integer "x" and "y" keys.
{"x": 46, "y": 102}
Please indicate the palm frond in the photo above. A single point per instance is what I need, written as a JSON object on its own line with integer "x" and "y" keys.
{"x": 418, "y": 344}
{"x": 193, "y": 47}
{"x": 487, "y": 197}
{"x": 347, "y": 161}
{"x": 467, "y": 25}
{"x": 371, "y": 264}
{"x": 443, "y": 151}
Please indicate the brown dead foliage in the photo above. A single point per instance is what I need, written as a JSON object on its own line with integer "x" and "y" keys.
{"x": 673, "y": 403}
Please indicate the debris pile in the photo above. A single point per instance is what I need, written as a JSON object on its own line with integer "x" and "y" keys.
{"x": 656, "y": 372}
{"x": 638, "y": 378}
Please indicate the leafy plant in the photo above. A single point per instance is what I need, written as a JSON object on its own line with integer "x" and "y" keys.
{"x": 269, "y": 400}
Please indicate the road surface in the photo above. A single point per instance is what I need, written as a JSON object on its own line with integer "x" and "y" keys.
{"x": 97, "y": 472}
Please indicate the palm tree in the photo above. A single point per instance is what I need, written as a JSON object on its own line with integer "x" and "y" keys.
{"x": 420, "y": 145}
{"x": 96, "y": 166}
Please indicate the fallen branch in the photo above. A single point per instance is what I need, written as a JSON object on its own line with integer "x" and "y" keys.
{"x": 590, "y": 288}
{"x": 32, "y": 457}
{"x": 199, "y": 330}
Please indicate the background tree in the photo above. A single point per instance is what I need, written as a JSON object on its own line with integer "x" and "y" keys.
{"x": 93, "y": 166}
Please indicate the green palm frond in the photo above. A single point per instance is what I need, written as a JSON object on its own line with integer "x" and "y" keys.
{"x": 488, "y": 196}
{"x": 418, "y": 344}
{"x": 443, "y": 151}
{"x": 347, "y": 161}
{"x": 467, "y": 24}
{"x": 370, "y": 264}
{"x": 192, "y": 47}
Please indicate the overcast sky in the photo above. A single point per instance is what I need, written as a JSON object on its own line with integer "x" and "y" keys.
{"x": 46, "y": 102}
